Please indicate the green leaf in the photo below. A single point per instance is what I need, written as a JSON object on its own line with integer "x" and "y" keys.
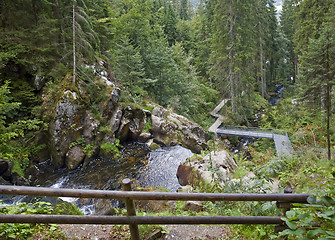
{"x": 12, "y": 235}
{"x": 311, "y": 199}
{"x": 327, "y": 200}
{"x": 313, "y": 233}
{"x": 291, "y": 225}
{"x": 330, "y": 233}
{"x": 329, "y": 212}
{"x": 290, "y": 214}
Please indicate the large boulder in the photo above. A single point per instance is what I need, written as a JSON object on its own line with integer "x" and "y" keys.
{"x": 66, "y": 126}
{"x": 90, "y": 127}
{"x": 132, "y": 123}
{"x": 74, "y": 122}
{"x": 214, "y": 166}
{"x": 172, "y": 129}
{"x": 164, "y": 131}
{"x": 74, "y": 157}
{"x": 193, "y": 136}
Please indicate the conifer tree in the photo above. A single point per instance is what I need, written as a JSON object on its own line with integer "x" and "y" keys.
{"x": 318, "y": 71}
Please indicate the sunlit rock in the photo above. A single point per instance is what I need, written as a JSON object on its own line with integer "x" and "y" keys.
{"x": 214, "y": 166}
{"x": 74, "y": 157}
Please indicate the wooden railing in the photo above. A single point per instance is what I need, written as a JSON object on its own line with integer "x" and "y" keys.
{"x": 284, "y": 201}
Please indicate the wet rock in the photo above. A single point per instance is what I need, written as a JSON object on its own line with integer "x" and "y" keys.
{"x": 4, "y": 182}
{"x": 219, "y": 165}
{"x": 144, "y": 137}
{"x": 132, "y": 124}
{"x": 18, "y": 180}
{"x": 4, "y": 165}
{"x": 74, "y": 157}
{"x": 7, "y": 175}
{"x": 43, "y": 153}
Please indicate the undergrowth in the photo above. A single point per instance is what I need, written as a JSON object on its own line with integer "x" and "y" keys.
{"x": 30, "y": 230}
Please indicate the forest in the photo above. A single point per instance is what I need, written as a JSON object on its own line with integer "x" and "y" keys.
{"x": 184, "y": 55}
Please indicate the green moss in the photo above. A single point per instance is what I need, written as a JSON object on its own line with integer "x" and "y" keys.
{"x": 66, "y": 208}
{"x": 147, "y": 126}
{"x": 111, "y": 148}
{"x": 105, "y": 129}
{"x": 148, "y": 108}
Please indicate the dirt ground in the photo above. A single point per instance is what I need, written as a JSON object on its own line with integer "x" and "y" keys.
{"x": 174, "y": 232}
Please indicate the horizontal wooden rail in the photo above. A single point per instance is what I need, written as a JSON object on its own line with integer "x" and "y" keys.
{"x": 107, "y": 194}
{"x": 187, "y": 220}
{"x": 283, "y": 201}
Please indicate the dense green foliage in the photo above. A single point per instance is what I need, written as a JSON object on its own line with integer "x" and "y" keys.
{"x": 13, "y": 144}
{"x": 181, "y": 56}
{"x": 35, "y": 231}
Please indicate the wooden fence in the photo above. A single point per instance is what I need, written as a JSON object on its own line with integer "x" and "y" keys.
{"x": 284, "y": 202}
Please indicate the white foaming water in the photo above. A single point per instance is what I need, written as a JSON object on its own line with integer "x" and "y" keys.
{"x": 87, "y": 209}
{"x": 59, "y": 184}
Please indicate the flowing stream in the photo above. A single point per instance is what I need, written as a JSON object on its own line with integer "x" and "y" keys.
{"x": 156, "y": 168}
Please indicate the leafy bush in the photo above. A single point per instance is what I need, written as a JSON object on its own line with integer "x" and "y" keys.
{"x": 307, "y": 137}
{"x": 27, "y": 230}
{"x": 12, "y": 132}
{"x": 320, "y": 214}
{"x": 112, "y": 148}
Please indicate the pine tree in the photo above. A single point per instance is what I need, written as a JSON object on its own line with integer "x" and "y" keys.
{"x": 318, "y": 71}
{"x": 129, "y": 67}
{"x": 288, "y": 28}
{"x": 184, "y": 4}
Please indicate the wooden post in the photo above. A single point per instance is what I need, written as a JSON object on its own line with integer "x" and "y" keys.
{"x": 131, "y": 211}
{"x": 284, "y": 206}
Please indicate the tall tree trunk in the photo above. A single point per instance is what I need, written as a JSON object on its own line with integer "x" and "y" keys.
{"x": 329, "y": 77}
{"x": 262, "y": 63}
{"x": 74, "y": 42}
{"x": 57, "y": 15}
{"x": 232, "y": 53}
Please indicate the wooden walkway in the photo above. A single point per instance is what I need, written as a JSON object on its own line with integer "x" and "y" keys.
{"x": 219, "y": 118}
{"x": 282, "y": 142}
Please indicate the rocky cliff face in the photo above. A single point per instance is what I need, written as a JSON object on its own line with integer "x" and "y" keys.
{"x": 76, "y": 133}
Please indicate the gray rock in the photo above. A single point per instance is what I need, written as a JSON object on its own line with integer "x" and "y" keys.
{"x": 187, "y": 189}
{"x": 144, "y": 137}
{"x": 66, "y": 126}
{"x": 91, "y": 126}
{"x": 74, "y": 157}
{"x": 193, "y": 136}
{"x": 165, "y": 131}
{"x": 219, "y": 165}
{"x": 115, "y": 95}
{"x": 195, "y": 206}
{"x": 159, "y": 112}
{"x": 116, "y": 120}
{"x": 132, "y": 124}
{"x": 39, "y": 82}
